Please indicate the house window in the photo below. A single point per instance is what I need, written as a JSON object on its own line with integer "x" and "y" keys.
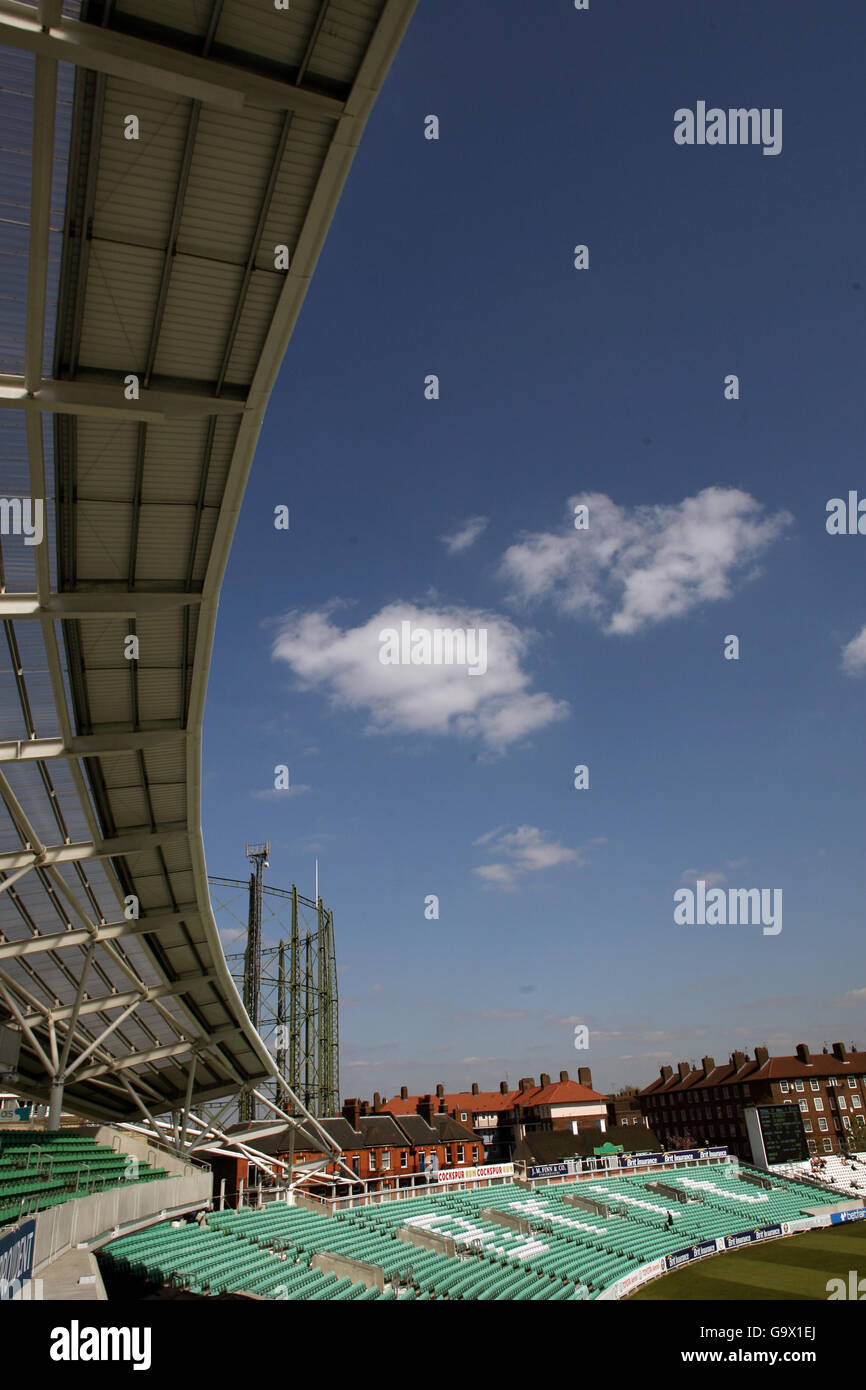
{"x": 386, "y": 1158}
{"x": 813, "y": 1147}
{"x": 852, "y": 1083}
{"x": 846, "y": 1121}
{"x": 404, "y": 1159}
{"x": 856, "y": 1102}
{"x": 814, "y": 1084}
{"x": 475, "y": 1153}
{"x": 828, "y": 1146}
{"x": 819, "y": 1104}
{"x": 463, "y": 1116}
{"x": 822, "y": 1123}
{"x": 799, "y": 1086}
{"x": 783, "y": 1087}
{"x": 843, "y": 1104}
{"x": 372, "y": 1160}
{"x": 807, "y": 1125}
{"x": 804, "y": 1105}
{"x": 449, "y": 1154}
{"x": 461, "y": 1154}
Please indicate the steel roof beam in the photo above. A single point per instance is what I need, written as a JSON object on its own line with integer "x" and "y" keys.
{"x": 129, "y": 996}
{"x": 229, "y": 86}
{"x": 134, "y": 843}
{"x": 87, "y": 746}
{"x": 153, "y": 1054}
{"x": 154, "y": 406}
{"x": 81, "y": 936}
{"x": 95, "y": 603}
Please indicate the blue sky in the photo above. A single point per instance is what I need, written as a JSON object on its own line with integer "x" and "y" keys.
{"x": 707, "y": 518}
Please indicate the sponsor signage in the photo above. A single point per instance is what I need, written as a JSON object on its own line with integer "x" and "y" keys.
{"x": 684, "y": 1155}
{"x": 751, "y": 1237}
{"x": 490, "y": 1170}
{"x": 630, "y": 1282}
{"x": 856, "y": 1214}
{"x": 549, "y": 1170}
{"x": 635, "y": 1160}
{"x": 689, "y": 1253}
{"x": 16, "y": 1259}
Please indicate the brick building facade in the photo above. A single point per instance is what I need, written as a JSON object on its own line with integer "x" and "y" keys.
{"x": 689, "y": 1106}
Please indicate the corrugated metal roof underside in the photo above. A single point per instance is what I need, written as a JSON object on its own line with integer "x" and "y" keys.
{"x": 168, "y": 273}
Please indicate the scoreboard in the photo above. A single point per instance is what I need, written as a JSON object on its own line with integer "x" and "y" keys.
{"x": 777, "y": 1134}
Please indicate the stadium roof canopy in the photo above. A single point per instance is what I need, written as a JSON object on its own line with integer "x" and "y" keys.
{"x": 145, "y": 312}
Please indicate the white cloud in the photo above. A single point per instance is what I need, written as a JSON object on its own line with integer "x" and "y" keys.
{"x": 496, "y": 706}
{"x": 524, "y": 850}
{"x": 466, "y": 534}
{"x": 854, "y": 654}
{"x": 635, "y": 566}
{"x": 710, "y": 876}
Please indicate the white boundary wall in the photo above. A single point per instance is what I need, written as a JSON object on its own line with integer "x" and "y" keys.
{"x": 85, "y": 1220}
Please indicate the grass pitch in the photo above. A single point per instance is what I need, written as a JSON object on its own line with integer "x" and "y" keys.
{"x": 795, "y": 1267}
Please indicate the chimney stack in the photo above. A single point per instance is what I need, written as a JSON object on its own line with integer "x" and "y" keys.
{"x": 404, "y": 1092}
{"x": 352, "y": 1112}
{"x": 545, "y": 1080}
{"x": 377, "y": 1101}
{"x": 527, "y": 1083}
{"x": 738, "y": 1059}
{"x": 804, "y": 1054}
{"x": 563, "y": 1076}
{"x": 425, "y": 1109}
{"x": 708, "y": 1064}
{"x": 440, "y": 1090}
{"x": 666, "y": 1073}
{"x": 762, "y": 1056}
{"x": 503, "y": 1088}
{"x": 683, "y": 1068}
{"x": 475, "y": 1088}
{"x": 584, "y": 1076}
{"x": 840, "y": 1052}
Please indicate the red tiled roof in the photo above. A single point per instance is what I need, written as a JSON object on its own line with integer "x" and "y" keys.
{"x": 774, "y": 1069}
{"x": 486, "y": 1102}
{"x": 559, "y": 1093}
{"x": 491, "y": 1102}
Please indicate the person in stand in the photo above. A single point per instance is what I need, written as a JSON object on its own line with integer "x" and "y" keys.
{"x": 670, "y": 1221}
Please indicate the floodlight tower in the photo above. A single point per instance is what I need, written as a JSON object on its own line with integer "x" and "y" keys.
{"x": 258, "y": 856}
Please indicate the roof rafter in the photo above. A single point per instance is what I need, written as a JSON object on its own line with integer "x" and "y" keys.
{"x": 230, "y": 87}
